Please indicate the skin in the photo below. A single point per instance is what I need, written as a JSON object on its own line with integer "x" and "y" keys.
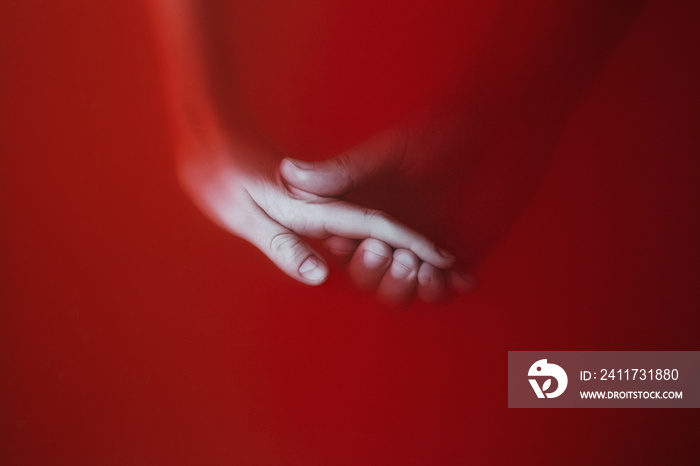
{"x": 242, "y": 181}
{"x": 395, "y": 274}
{"x": 249, "y": 195}
{"x": 506, "y": 118}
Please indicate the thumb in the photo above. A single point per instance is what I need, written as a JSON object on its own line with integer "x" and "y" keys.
{"x": 287, "y": 250}
{"x": 348, "y": 171}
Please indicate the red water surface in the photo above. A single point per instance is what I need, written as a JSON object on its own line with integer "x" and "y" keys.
{"x": 133, "y": 331}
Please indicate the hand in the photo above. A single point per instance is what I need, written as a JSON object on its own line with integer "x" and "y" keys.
{"x": 396, "y": 275}
{"x": 237, "y": 183}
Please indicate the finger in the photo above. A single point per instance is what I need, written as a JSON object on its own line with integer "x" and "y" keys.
{"x": 341, "y": 218}
{"x": 461, "y": 282}
{"x": 368, "y": 264}
{"x": 286, "y": 249}
{"x": 347, "y": 171}
{"x": 398, "y": 285}
{"x": 340, "y": 247}
{"x": 431, "y": 283}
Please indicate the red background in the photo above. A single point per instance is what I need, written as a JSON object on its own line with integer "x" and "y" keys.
{"x": 133, "y": 331}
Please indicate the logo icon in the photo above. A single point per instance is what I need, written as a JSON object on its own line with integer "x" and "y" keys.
{"x": 543, "y": 369}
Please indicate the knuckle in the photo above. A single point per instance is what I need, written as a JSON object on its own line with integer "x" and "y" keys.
{"x": 282, "y": 242}
{"x": 287, "y": 247}
{"x": 345, "y": 166}
{"x": 286, "y": 212}
{"x": 298, "y": 224}
{"x": 343, "y": 162}
{"x": 378, "y": 216}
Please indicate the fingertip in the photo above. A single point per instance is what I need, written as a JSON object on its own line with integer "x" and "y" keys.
{"x": 438, "y": 257}
{"x": 286, "y": 166}
{"x": 426, "y": 274}
{"x": 298, "y": 164}
{"x": 339, "y": 246}
{"x": 313, "y": 270}
{"x": 320, "y": 178}
{"x": 428, "y": 251}
{"x": 404, "y": 265}
{"x": 299, "y": 174}
{"x": 431, "y": 283}
{"x": 375, "y": 253}
{"x": 449, "y": 259}
{"x": 463, "y": 282}
{"x": 398, "y": 287}
{"x": 369, "y": 264}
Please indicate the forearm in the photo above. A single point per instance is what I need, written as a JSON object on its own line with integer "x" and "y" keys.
{"x": 179, "y": 30}
{"x": 199, "y": 80}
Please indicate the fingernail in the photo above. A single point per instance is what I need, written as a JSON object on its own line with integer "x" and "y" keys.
{"x": 423, "y": 279}
{"x": 446, "y": 254}
{"x": 464, "y": 282}
{"x": 312, "y": 270}
{"x": 399, "y": 270}
{"x": 373, "y": 260}
{"x": 301, "y": 164}
{"x": 340, "y": 252}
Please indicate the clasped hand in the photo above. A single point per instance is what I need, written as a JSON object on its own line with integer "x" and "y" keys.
{"x": 274, "y": 202}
